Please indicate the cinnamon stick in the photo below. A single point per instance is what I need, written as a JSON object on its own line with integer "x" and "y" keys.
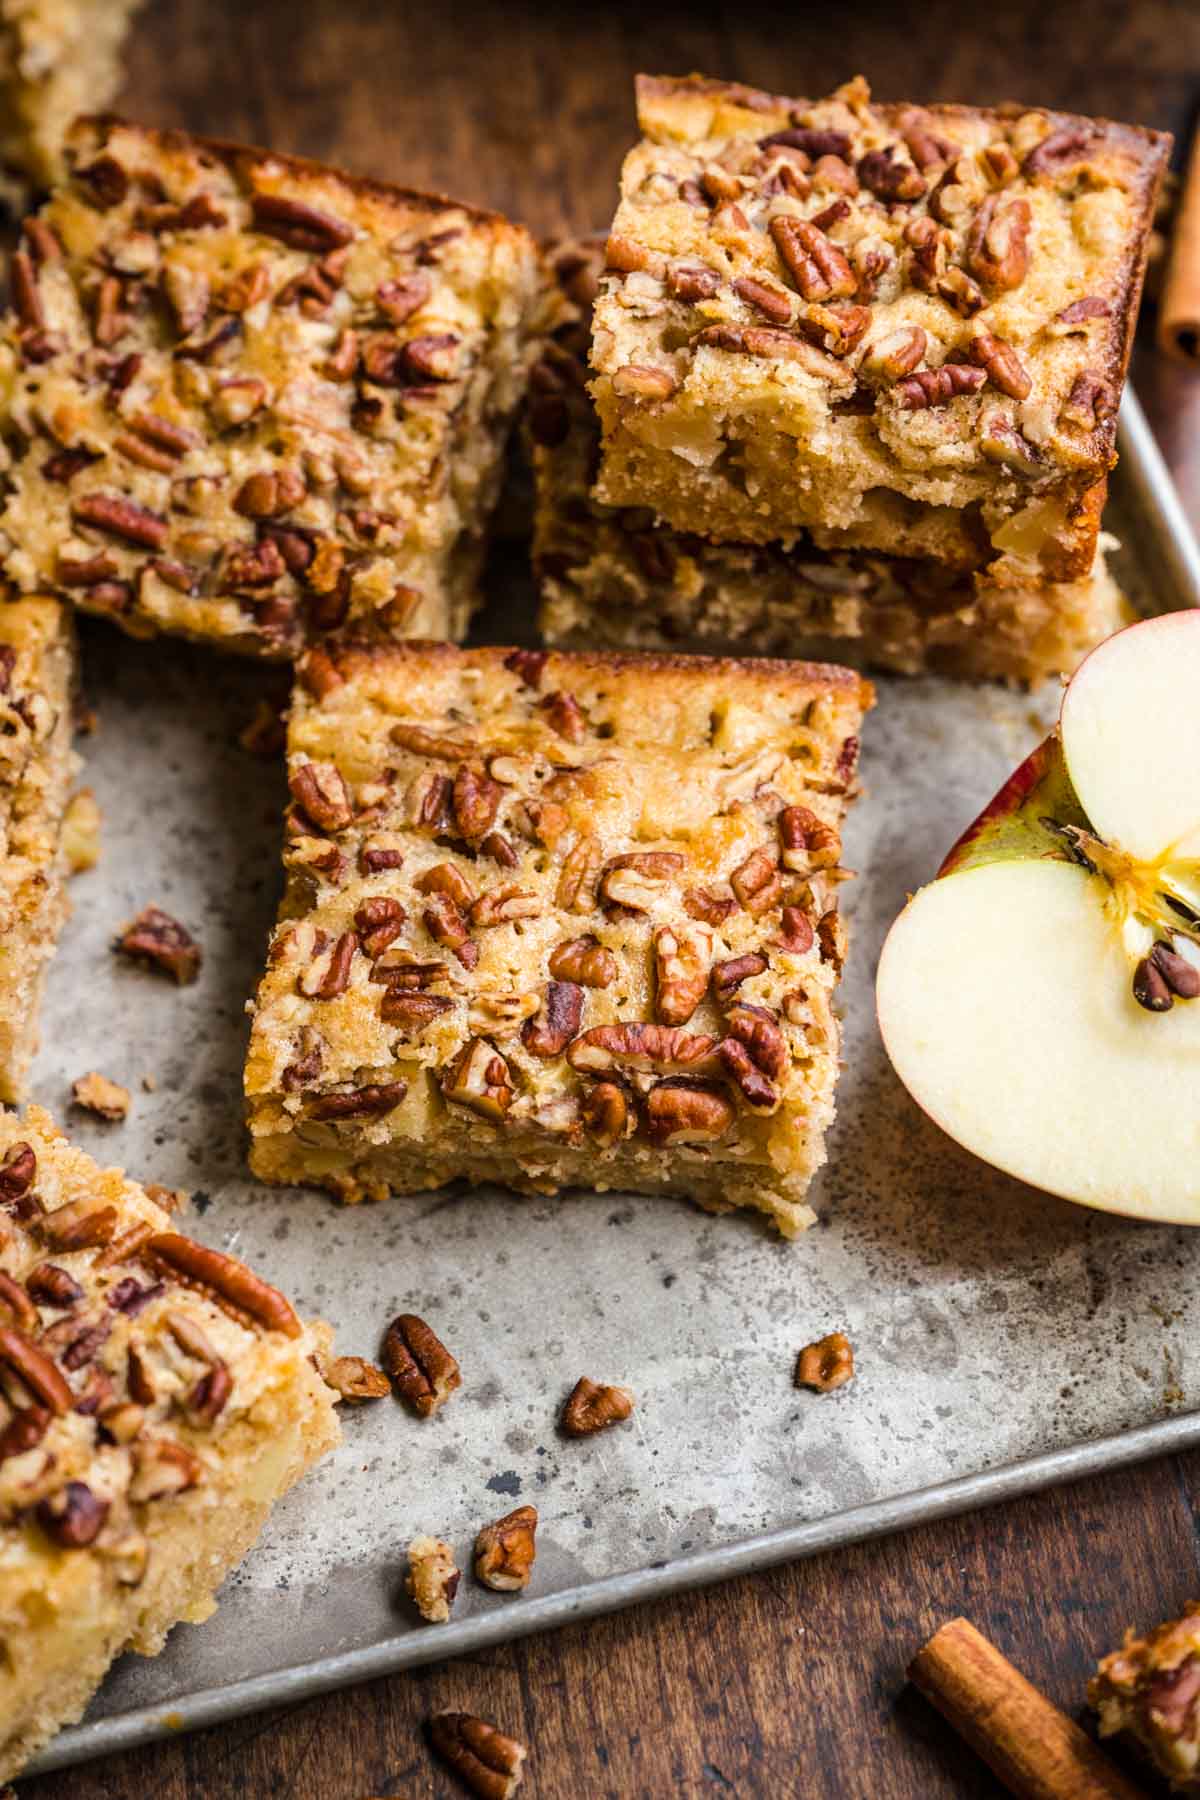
{"x": 1037, "y": 1752}
{"x": 1179, "y": 304}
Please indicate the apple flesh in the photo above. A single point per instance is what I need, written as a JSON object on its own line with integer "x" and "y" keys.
{"x": 1035, "y": 998}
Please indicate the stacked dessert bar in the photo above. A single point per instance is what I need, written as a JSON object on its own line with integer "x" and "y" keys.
{"x": 855, "y": 372}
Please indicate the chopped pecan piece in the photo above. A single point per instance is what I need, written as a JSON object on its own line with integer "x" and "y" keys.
{"x": 378, "y": 921}
{"x": 831, "y": 936}
{"x": 18, "y": 1170}
{"x": 812, "y": 140}
{"x": 687, "y": 1112}
{"x": 1089, "y": 402}
{"x": 591, "y": 1407}
{"x": 728, "y": 976}
{"x": 576, "y": 890}
{"x": 420, "y": 1367}
{"x": 1057, "y": 151}
{"x": 770, "y": 341}
{"x": 819, "y": 269}
{"x": 370, "y": 1102}
{"x": 634, "y": 880}
{"x": 707, "y": 906}
{"x": 44, "y": 1380}
{"x": 302, "y": 227}
{"x": 1077, "y": 316}
{"x": 740, "y": 1066}
{"x": 475, "y": 801}
{"x": 327, "y": 976}
{"x": 528, "y": 665}
{"x": 1001, "y": 442}
{"x": 606, "y": 1113}
{"x": 229, "y": 1282}
{"x": 50, "y": 1285}
{"x": 356, "y": 1379}
{"x": 505, "y": 1551}
{"x": 795, "y": 931}
{"x": 97, "y": 1094}
{"x": 769, "y": 300}
{"x": 692, "y": 282}
{"x": 444, "y": 922}
{"x": 895, "y": 355}
{"x": 504, "y": 905}
{"x": 24, "y": 1431}
{"x": 937, "y": 387}
{"x": 885, "y": 175}
{"x": 639, "y": 1045}
{"x": 957, "y": 289}
{"x": 757, "y": 883}
{"x": 565, "y": 716}
{"x": 423, "y": 742}
{"x": 827, "y": 1364}
{"x": 644, "y": 381}
{"x": 681, "y": 964}
{"x": 1004, "y": 367}
{"x": 16, "y": 1307}
{"x": 161, "y": 941}
{"x": 557, "y": 1021}
{"x": 79, "y": 1225}
{"x": 480, "y": 1079}
{"x": 837, "y": 329}
{"x": 121, "y": 518}
{"x": 448, "y": 879}
{"x": 486, "y": 1761}
{"x": 585, "y": 960}
{"x": 998, "y": 243}
{"x": 757, "y": 1029}
{"x": 432, "y": 1579}
{"x": 806, "y": 843}
{"x": 74, "y": 1516}
{"x": 400, "y": 1006}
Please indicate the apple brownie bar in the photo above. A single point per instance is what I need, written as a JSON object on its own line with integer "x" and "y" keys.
{"x": 1150, "y": 1690}
{"x": 58, "y": 58}
{"x": 251, "y": 399}
{"x": 156, "y": 1398}
{"x": 901, "y": 328}
{"x": 37, "y": 764}
{"x": 611, "y": 577}
{"x": 557, "y": 920}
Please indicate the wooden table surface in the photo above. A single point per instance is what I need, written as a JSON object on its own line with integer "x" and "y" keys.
{"x": 790, "y": 1683}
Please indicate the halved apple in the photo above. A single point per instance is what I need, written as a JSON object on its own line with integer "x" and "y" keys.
{"x": 1036, "y": 999}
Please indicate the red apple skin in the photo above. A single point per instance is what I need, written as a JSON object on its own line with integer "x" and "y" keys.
{"x": 1011, "y": 827}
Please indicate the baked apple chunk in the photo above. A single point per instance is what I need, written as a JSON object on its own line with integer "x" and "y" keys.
{"x": 557, "y": 920}
{"x": 1038, "y": 998}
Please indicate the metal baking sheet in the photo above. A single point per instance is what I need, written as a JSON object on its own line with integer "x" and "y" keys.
{"x": 1004, "y": 1340}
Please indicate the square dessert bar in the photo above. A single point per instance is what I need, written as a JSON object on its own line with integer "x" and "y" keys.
{"x": 557, "y": 920}
{"x": 901, "y": 328}
{"x": 37, "y": 690}
{"x": 611, "y": 576}
{"x": 156, "y": 1398}
{"x": 250, "y": 399}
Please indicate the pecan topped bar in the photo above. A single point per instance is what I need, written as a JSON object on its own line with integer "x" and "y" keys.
{"x": 37, "y": 684}
{"x": 58, "y": 58}
{"x": 156, "y": 1398}
{"x": 905, "y": 328}
{"x": 1150, "y": 1689}
{"x": 612, "y": 576}
{"x": 252, "y": 400}
{"x": 557, "y": 920}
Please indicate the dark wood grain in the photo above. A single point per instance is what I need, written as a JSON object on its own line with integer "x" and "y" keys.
{"x": 789, "y": 1684}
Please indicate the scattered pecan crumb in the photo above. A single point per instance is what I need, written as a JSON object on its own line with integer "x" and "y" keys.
{"x": 505, "y": 1551}
{"x": 265, "y": 734}
{"x": 486, "y": 1761}
{"x": 591, "y": 1407}
{"x": 827, "y": 1364}
{"x": 162, "y": 942}
{"x": 81, "y": 831}
{"x": 422, "y": 1370}
{"x": 354, "y": 1378}
{"x": 433, "y": 1577}
{"x": 97, "y": 1094}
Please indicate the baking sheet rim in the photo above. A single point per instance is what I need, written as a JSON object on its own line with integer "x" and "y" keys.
{"x": 1145, "y": 468}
